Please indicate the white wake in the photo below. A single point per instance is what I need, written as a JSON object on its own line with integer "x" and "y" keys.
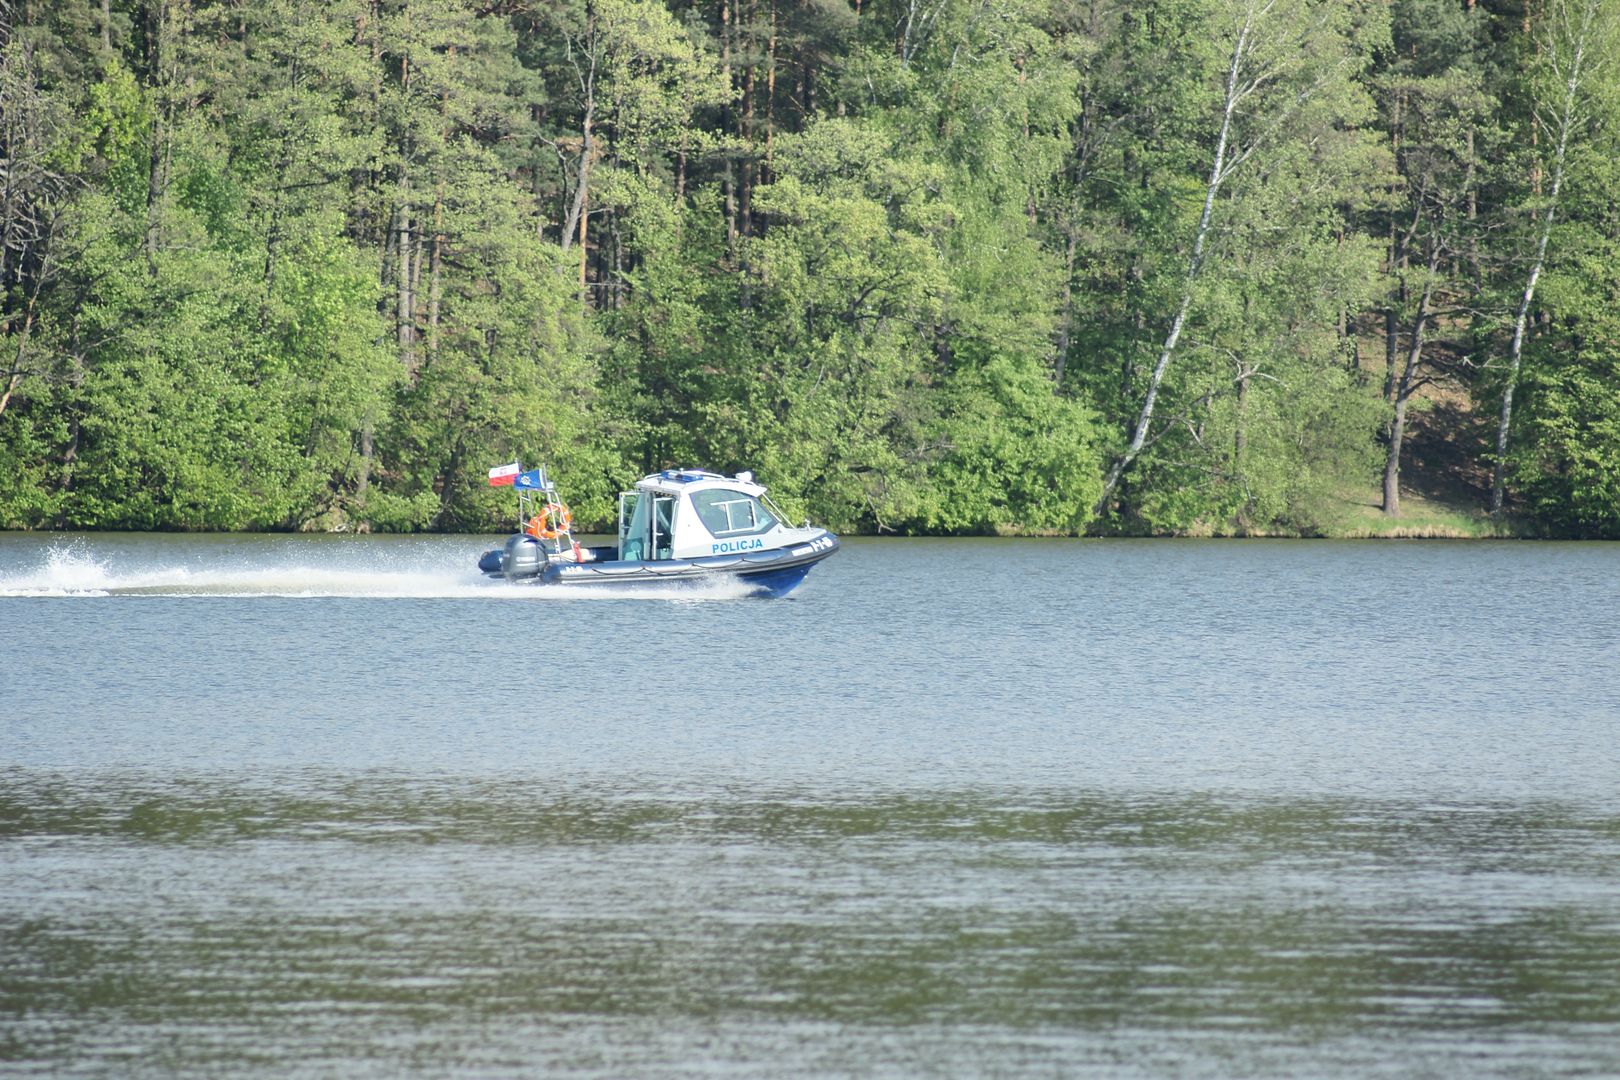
{"x": 352, "y": 568}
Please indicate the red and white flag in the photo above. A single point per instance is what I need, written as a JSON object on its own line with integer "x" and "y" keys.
{"x": 503, "y": 475}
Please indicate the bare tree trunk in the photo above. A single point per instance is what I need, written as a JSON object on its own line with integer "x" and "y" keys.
{"x": 363, "y": 483}
{"x": 729, "y": 182}
{"x": 745, "y": 203}
{"x": 574, "y": 222}
{"x": 154, "y": 172}
{"x": 435, "y": 257}
{"x": 770, "y": 89}
{"x": 1194, "y": 264}
{"x": 433, "y": 276}
{"x": 385, "y": 265}
{"x": 418, "y": 257}
{"x": 1066, "y": 320}
{"x": 579, "y": 209}
{"x": 1392, "y": 346}
{"x": 405, "y": 303}
{"x": 1473, "y": 215}
{"x": 801, "y": 91}
{"x": 403, "y": 300}
{"x": 365, "y": 214}
{"x": 1392, "y": 460}
{"x": 1404, "y": 390}
{"x": 11, "y": 388}
{"x": 272, "y": 237}
{"x": 1396, "y": 256}
{"x": 583, "y": 202}
{"x": 1240, "y": 438}
{"x": 12, "y": 137}
{"x": 1566, "y": 123}
{"x": 17, "y": 367}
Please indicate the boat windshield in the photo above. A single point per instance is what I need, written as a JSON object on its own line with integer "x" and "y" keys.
{"x": 731, "y": 513}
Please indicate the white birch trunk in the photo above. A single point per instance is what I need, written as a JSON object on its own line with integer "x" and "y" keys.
{"x": 1566, "y": 122}
{"x": 1194, "y": 263}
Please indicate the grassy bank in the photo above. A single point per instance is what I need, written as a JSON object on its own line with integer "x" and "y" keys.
{"x": 1361, "y": 517}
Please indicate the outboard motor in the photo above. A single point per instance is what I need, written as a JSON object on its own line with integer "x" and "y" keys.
{"x": 522, "y": 557}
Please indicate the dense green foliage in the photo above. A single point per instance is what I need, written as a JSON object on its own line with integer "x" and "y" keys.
{"x": 922, "y": 265}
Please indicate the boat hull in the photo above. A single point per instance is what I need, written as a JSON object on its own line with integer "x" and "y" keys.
{"x": 770, "y": 572}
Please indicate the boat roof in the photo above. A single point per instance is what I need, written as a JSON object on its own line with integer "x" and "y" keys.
{"x": 676, "y": 481}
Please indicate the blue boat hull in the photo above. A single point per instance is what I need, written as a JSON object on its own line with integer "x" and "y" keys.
{"x": 773, "y": 572}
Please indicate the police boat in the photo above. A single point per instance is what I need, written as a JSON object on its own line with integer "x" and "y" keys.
{"x": 679, "y": 525}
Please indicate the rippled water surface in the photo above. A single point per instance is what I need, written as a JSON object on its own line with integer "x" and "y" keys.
{"x": 295, "y": 806}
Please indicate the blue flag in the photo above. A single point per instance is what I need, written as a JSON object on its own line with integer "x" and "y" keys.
{"x": 533, "y": 480}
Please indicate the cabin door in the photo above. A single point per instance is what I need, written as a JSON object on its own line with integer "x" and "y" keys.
{"x": 646, "y": 525}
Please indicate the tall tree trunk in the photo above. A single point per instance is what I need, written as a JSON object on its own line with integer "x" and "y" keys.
{"x": 418, "y": 258}
{"x": 272, "y": 236}
{"x": 1392, "y": 348}
{"x": 363, "y": 483}
{"x": 750, "y": 72}
{"x": 1473, "y": 215}
{"x": 1405, "y": 388}
{"x": 1566, "y": 123}
{"x": 770, "y": 91}
{"x": 71, "y": 454}
{"x": 403, "y": 300}
{"x": 433, "y": 276}
{"x": 1240, "y": 447}
{"x": 11, "y": 388}
{"x": 574, "y": 223}
{"x": 1195, "y": 262}
{"x": 17, "y": 368}
{"x": 1066, "y": 319}
{"x": 1342, "y": 323}
{"x": 727, "y": 123}
{"x": 1392, "y": 460}
{"x": 19, "y": 358}
{"x": 579, "y": 209}
{"x": 801, "y": 91}
{"x": 618, "y": 264}
{"x": 365, "y": 201}
{"x": 584, "y": 223}
{"x": 436, "y": 253}
{"x": 1397, "y": 256}
{"x": 156, "y": 17}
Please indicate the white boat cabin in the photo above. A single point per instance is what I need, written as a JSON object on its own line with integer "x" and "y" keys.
{"x": 691, "y": 514}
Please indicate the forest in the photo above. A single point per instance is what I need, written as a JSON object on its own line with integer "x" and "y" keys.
{"x": 1190, "y": 267}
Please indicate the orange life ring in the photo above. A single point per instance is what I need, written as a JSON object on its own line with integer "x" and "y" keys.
{"x": 541, "y": 522}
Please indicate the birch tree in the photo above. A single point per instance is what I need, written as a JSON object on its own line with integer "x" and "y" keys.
{"x": 1576, "y": 47}
{"x": 1288, "y": 73}
{"x": 33, "y": 194}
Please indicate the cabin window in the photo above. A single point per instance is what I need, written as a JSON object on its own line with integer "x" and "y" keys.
{"x": 731, "y": 513}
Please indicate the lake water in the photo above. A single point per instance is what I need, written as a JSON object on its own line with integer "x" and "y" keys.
{"x": 336, "y": 807}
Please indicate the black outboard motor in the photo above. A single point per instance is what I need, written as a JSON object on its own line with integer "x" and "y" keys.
{"x": 523, "y": 557}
